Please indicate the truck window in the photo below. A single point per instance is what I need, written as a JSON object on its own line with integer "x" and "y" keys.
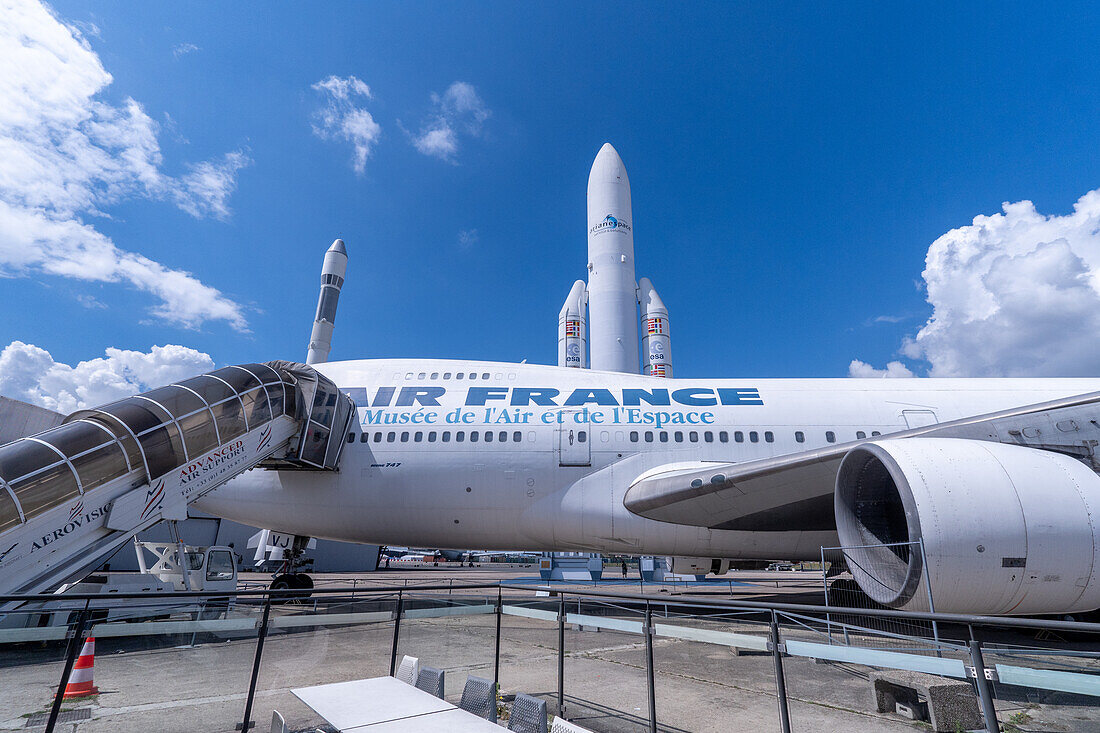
{"x": 220, "y": 566}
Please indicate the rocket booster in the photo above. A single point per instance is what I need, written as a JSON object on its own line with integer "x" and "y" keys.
{"x": 656, "y": 336}
{"x": 612, "y": 289}
{"x": 332, "y": 279}
{"x": 572, "y": 334}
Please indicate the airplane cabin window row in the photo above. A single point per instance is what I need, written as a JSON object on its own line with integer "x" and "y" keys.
{"x": 446, "y": 375}
{"x": 445, "y": 436}
{"x": 649, "y": 436}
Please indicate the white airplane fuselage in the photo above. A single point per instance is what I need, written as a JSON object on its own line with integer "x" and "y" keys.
{"x": 565, "y": 446}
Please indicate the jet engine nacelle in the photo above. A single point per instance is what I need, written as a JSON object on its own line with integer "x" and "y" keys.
{"x": 1006, "y": 529}
{"x": 699, "y": 566}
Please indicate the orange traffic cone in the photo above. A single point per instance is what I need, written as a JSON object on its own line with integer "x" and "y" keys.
{"x": 80, "y": 681}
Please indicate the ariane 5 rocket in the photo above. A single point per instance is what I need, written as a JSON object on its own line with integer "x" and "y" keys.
{"x": 612, "y": 294}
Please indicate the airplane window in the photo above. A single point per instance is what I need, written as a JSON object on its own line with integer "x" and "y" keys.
{"x": 769, "y": 436}
{"x": 408, "y": 375}
{"x": 724, "y": 437}
{"x": 664, "y": 436}
{"x": 604, "y": 436}
{"x": 502, "y": 437}
{"x": 431, "y": 436}
{"x": 351, "y": 437}
{"x": 708, "y": 436}
{"x": 391, "y": 437}
{"x": 738, "y": 436}
{"x": 531, "y": 436}
{"x": 860, "y": 434}
{"x": 460, "y": 436}
{"x": 517, "y": 436}
{"x": 678, "y": 436}
{"x": 435, "y": 375}
{"x": 649, "y": 436}
{"x": 830, "y": 436}
{"x": 754, "y": 437}
{"x": 488, "y": 436}
{"x": 423, "y": 375}
{"x": 378, "y": 437}
{"x": 874, "y": 433}
{"x": 364, "y": 437}
{"x": 693, "y": 436}
{"x": 446, "y": 375}
{"x": 446, "y": 436}
{"x": 499, "y": 375}
{"x": 633, "y": 436}
{"x": 405, "y": 437}
{"x": 473, "y": 436}
{"x": 418, "y": 437}
{"x": 582, "y": 436}
{"x": 485, "y": 375}
{"x": 799, "y": 436}
{"x": 460, "y": 375}
{"x": 618, "y": 436}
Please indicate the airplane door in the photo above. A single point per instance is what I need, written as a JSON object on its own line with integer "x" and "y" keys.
{"x": 574, "y": 442}
{"x": 919, "y": 418}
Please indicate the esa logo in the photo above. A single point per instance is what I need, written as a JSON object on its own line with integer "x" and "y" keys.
{"x": 573, "y": 354}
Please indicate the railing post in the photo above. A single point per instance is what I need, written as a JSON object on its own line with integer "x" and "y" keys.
{"x": 496, "y": 652}
{"x": 985, "y": 690}
{"x": 780, "y": 682}
{"x": 76, "y": 641}
{"x": 561, "y": 655}
{"x": 396, "y": 632}
{"x": 931, "y": 601}
{"x": 260, "y": 636}
{"x": 651, "y": 687}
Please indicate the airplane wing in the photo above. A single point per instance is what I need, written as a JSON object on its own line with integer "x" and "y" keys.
{"x": 795, "y": 491}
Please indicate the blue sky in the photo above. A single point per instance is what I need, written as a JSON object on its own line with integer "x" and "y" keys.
{"x": 791, "y": 167}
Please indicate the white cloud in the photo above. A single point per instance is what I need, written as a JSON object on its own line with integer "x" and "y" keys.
{"x": 467, "y": 238}
{"x": 459, "y": 109}
{"x": 1015, "y": 294}
{"x": 181, "y": 49}
{"x": 894, "y": 369}
{"x": 29, "y": 373}
{"x": 65, "y": 154}
{"x": 342, "y": 119}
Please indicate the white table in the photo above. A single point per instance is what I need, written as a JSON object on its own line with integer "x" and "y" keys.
{"x": 348, "y": 705}
{"x": 447, "y": 721}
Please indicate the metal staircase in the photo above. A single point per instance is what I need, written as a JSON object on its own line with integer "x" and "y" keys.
{"x": 72, "y": 495}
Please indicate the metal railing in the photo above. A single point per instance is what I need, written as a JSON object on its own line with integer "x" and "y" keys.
{"x": 780, "y": 630}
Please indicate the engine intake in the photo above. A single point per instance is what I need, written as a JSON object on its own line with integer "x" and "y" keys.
{"x": 1006, "y": 529}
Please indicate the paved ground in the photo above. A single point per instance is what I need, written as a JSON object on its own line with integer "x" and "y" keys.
{"x": 163, "y": 684}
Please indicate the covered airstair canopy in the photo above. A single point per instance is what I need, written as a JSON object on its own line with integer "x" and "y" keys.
{"x": 155, "y": 452}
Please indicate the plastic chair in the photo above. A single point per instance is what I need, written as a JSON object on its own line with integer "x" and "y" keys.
{"x": 278, "y": 724}
{"x": 430, "y": 680}
{"x": 479, "y": 698}
{"x": 408, "y": 670}
{"x": 528, "y": 715}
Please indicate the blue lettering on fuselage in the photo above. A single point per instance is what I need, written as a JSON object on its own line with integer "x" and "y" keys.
{"x": 550, "y": 397}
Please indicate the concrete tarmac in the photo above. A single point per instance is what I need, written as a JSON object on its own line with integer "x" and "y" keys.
{"x": 167, "y": 685}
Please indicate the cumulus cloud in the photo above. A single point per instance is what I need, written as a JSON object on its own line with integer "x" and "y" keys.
{"x": 343, "y": 119}
{"x": 181, "y": 49}
{"x": 1014, "y": 294}
{"x": 894, "y": 369}
{"x": 67, "y": 155}
{"x": 29, "y": 373}
{"x": 457, "y": 110}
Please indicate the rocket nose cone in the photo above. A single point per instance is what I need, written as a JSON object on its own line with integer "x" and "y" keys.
{"x": 608, "y": 167}
{"x": 338, "y": 246}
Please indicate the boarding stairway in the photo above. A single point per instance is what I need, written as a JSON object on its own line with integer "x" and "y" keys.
{"x": 73, "y": 495}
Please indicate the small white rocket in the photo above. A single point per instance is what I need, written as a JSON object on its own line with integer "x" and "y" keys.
{"x": 332, "y": 279}
{"x": 612, "y": 294}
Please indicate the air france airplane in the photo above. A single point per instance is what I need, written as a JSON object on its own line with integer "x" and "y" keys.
{"x": 995, "y": 477}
